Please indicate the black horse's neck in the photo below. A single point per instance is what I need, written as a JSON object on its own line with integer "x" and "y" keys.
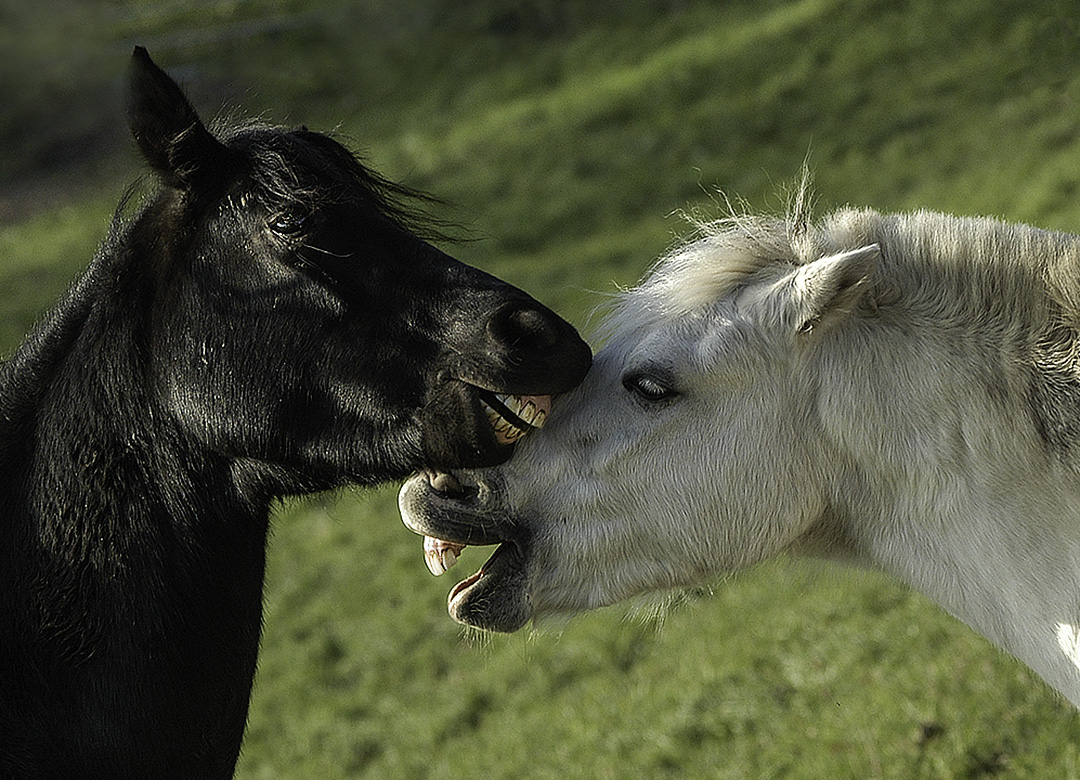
{"x": 140, "y": 562}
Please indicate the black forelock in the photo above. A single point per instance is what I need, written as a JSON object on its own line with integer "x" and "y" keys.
{"x": 313, "y": 169}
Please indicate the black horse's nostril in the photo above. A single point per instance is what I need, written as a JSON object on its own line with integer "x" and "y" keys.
{"x": 533, "y": 351}
{"x": 526, "y": 327}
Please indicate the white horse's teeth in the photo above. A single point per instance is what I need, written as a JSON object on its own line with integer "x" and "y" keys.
{"x": 440, "y": 555}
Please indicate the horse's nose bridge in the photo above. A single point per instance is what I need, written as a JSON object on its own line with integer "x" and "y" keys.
{"x": 502, "y": 338}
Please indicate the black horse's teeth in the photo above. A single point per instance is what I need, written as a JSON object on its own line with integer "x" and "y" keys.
{"x": 514, "y": 416}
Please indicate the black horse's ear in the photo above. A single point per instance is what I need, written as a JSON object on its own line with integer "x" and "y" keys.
{"x": 165, "y": 126}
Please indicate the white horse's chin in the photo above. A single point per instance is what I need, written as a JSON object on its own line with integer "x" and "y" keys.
{"x": 495, "y": 598}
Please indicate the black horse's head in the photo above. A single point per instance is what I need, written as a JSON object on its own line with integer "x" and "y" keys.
{"x": 300, "y": 322}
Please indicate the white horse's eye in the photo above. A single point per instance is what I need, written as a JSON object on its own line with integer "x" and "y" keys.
{"x": 649, "y": 387}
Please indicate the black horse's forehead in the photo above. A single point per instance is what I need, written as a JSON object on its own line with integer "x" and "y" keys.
{"x": 298, "y": 165}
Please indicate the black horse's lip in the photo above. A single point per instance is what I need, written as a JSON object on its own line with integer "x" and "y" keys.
{"x": 459, "y": 428}
{"x": 497, "y": 404}
{"x": 511, "y": 424}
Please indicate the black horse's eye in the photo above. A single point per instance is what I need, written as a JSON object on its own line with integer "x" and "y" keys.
{"x": 290, "y": 223}
{"x": 649, "y": 387}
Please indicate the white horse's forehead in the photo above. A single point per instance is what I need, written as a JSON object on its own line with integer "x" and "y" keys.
{"x": 669, "y": 342}
{"x": 689, "y": 344}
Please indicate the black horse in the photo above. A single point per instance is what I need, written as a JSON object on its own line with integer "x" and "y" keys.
{"x": 268, "y": 323}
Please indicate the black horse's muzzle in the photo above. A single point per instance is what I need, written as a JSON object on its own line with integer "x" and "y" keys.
{"x": 497, "y": 380}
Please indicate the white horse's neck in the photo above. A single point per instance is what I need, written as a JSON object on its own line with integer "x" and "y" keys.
{"x": 1003, "y": 557}
{"x": 949, "y": 427}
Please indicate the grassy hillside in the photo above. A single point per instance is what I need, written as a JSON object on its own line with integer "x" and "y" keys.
{"x": 566, "y": 136}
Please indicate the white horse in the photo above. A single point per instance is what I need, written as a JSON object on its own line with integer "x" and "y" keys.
{"x": 899, "y": 392}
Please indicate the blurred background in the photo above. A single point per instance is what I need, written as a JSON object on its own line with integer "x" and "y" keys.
{"x": 567, "y": 139}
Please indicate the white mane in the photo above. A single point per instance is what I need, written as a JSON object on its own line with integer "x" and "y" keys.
{"x": 974, "y": 270}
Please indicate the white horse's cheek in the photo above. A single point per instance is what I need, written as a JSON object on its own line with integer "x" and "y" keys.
{"x": 618, "y": 529}
{"x": 615, "y": 512}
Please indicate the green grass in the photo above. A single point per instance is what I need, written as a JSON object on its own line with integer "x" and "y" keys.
{"x": 568, "y": 135}
{"x": 792, "y": 670}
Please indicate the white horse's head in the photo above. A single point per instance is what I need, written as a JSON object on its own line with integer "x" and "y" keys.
{"x": 901, "y": 392}
{"x": 693, "y": 447}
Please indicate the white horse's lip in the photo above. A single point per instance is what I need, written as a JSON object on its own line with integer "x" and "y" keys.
{"x": 494, "y": 598}
{"x": 458, "y": 514}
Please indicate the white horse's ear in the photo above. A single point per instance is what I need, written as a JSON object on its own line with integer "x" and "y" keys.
{"x": 831, "y": 284}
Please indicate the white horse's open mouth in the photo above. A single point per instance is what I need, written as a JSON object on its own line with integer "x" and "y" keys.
{"x": 512, "y": 417}
{"x": 447, "y": 513}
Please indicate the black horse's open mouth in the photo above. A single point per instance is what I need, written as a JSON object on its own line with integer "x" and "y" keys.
{"x": 471, "y": 424}
{"x": 514, "y": 416}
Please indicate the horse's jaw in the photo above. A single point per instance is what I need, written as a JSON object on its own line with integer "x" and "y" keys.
{"x": 496, "y": 597}
{"x": 450, "y": 517}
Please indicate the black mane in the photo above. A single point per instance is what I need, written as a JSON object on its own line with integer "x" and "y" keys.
{"x": 282, "y": 150}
